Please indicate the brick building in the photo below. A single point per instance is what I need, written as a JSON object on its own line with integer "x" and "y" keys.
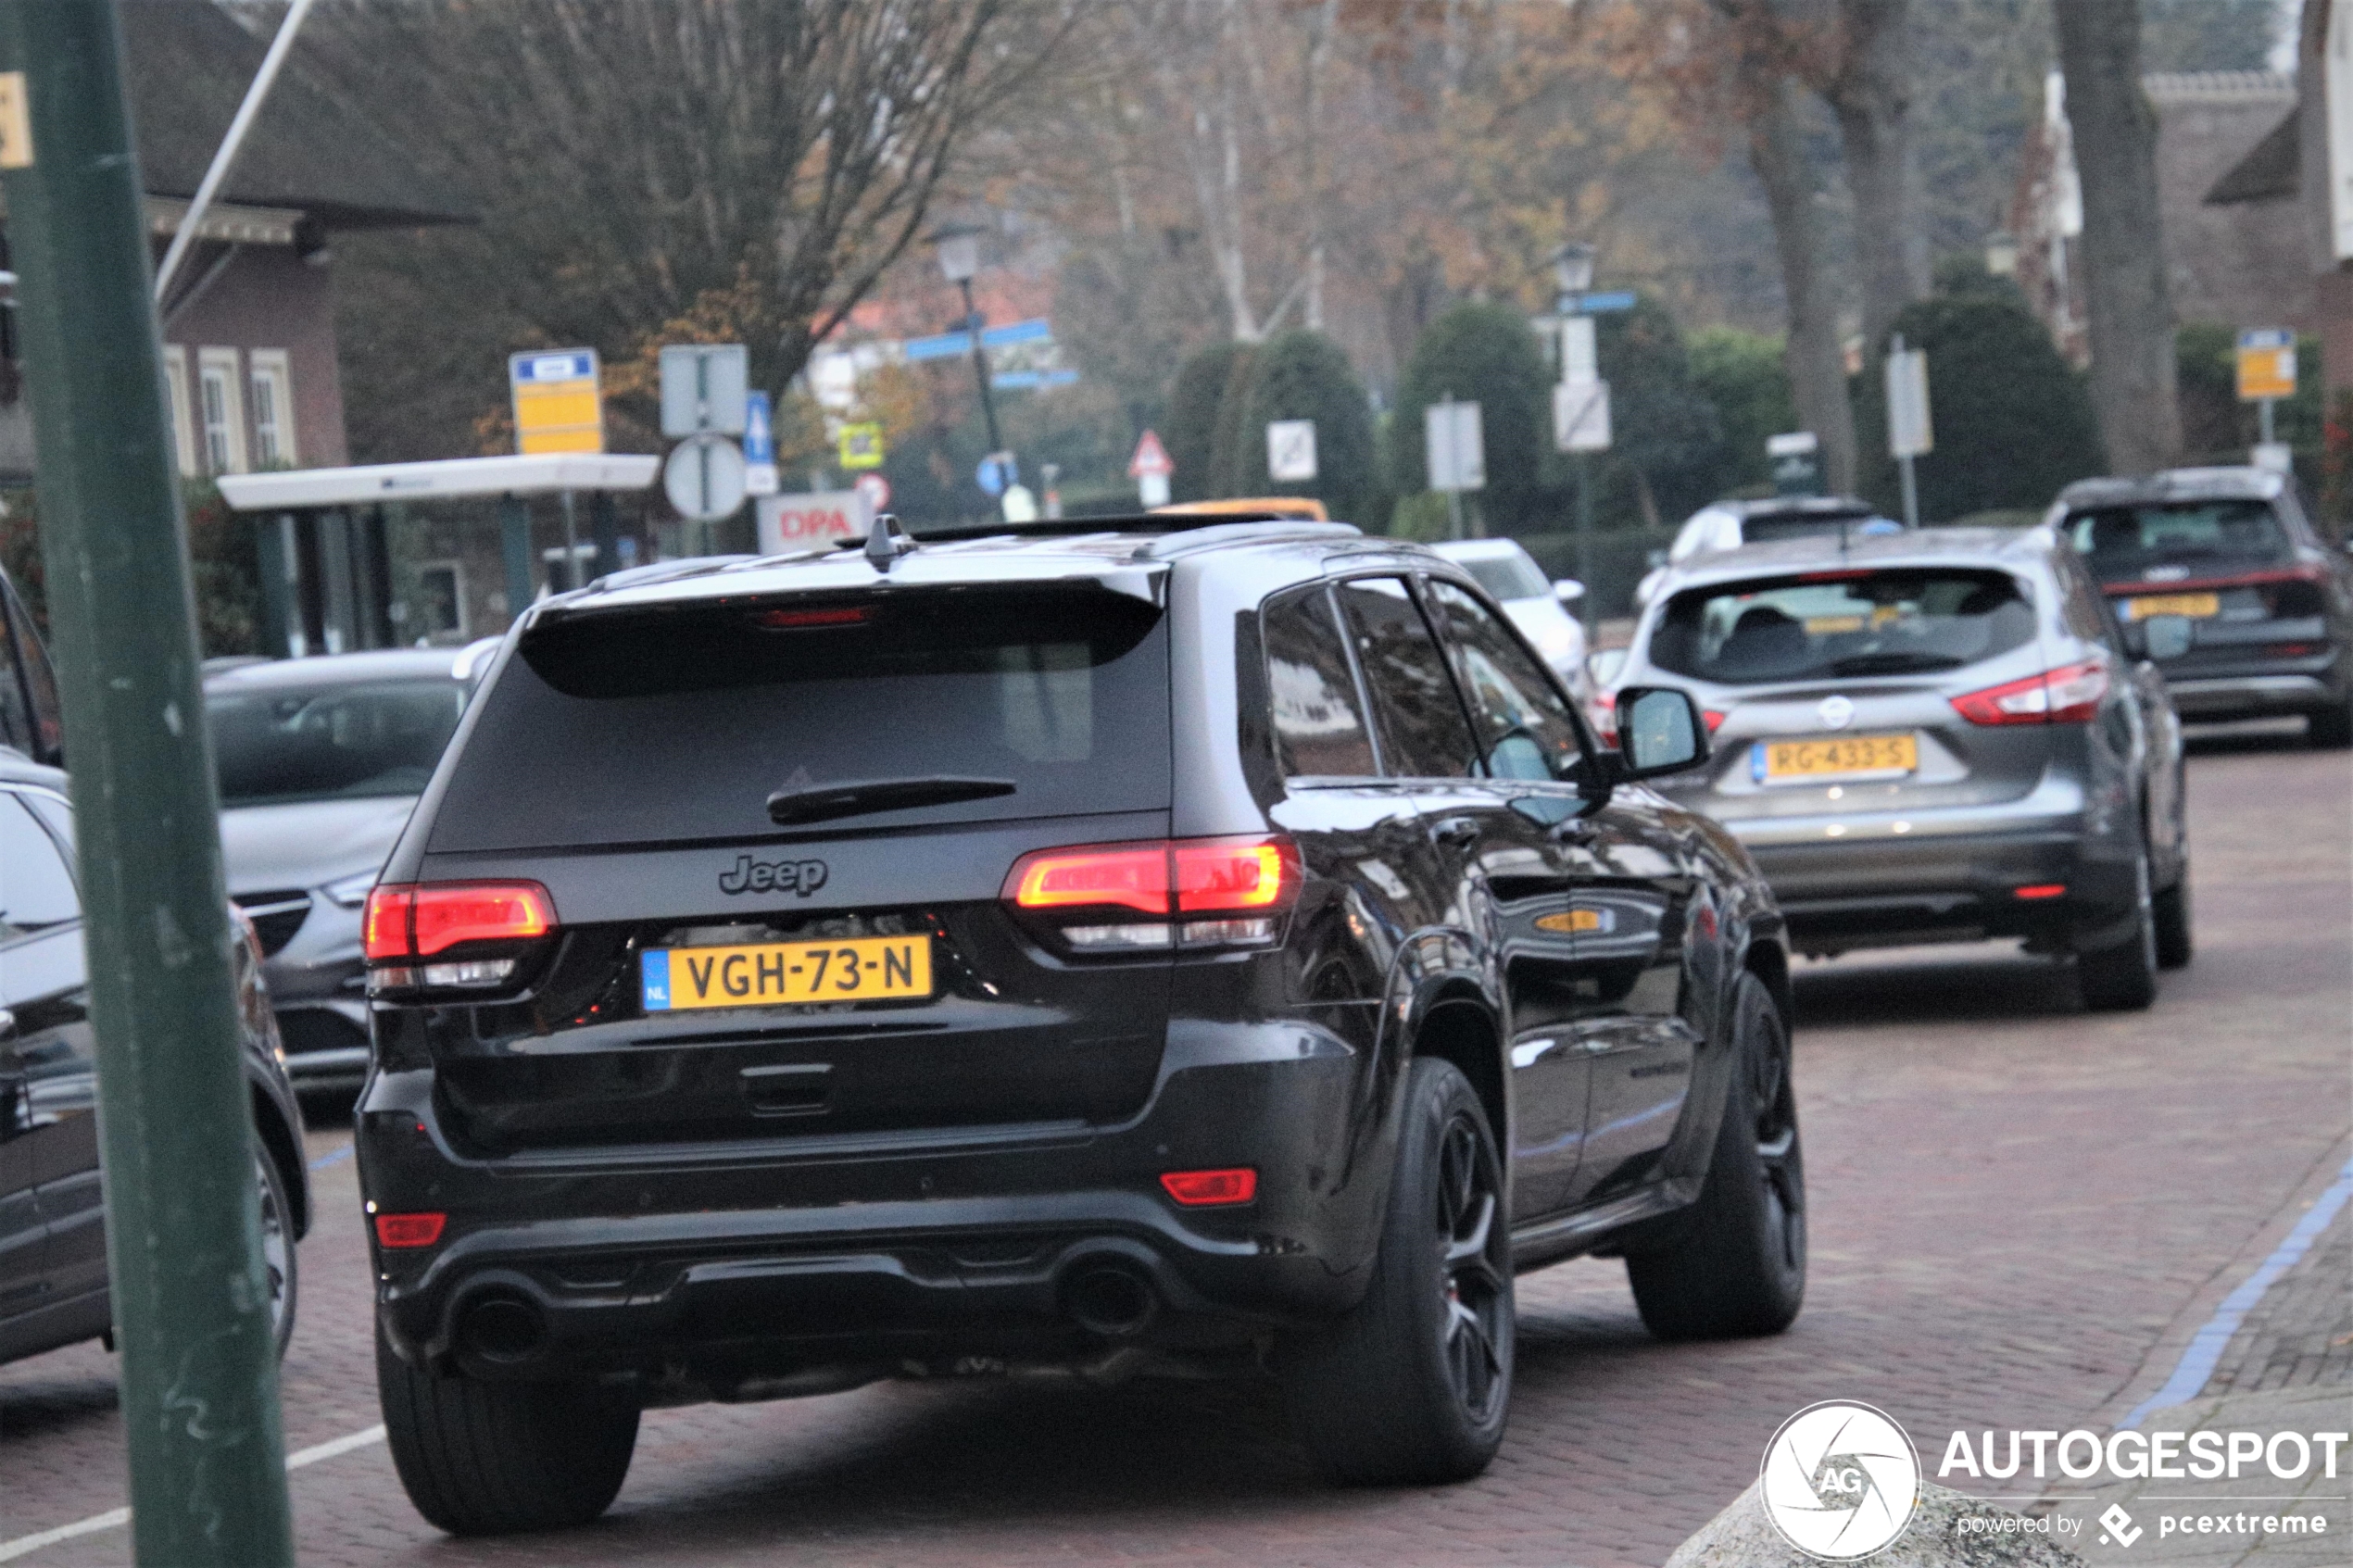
{"x": 248, "y": 327}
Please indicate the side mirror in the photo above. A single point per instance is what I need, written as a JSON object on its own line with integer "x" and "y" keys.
{"x": 1603, "y": 665}
{"x": 2165, "y": 636}
{"x": 1569, "y": 589}
{"x": 1660, "y": 729}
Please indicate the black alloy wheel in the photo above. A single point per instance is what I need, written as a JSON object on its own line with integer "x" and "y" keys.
{"x": 1478, "y": 1302}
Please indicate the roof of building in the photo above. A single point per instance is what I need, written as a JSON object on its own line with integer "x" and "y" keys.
{"x": 2271, "y": 170}
{"x": 187, "y": 65}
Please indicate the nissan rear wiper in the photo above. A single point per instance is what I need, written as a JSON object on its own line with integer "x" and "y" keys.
{"x": 858, "y": 797}
{"x": 1893, "y": 663}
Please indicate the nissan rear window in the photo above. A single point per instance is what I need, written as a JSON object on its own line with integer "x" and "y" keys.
{"x": 2195, "y": 539}
{"x": 1835, "y": 625}
{"x": 1764, "y": 530}
{"x": 679, "y": 723}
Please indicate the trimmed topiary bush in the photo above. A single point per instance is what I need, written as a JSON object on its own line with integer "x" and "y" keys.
{"x": 1487, "y": 355}
{"x": 2012, "y": 421}
{"x": 1303, "y": 375}
{"x": 1192, "y": 417}
{"x": 1743, "y": 375}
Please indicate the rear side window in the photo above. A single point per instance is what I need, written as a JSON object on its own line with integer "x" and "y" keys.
{"x": 35, "y": 888}
{"x": 1423, "y": 732}
{"x": 2198, "y": 538}
{"x": 1318, "y": 723}
{"x": 1525, "y": 729}
{"x": 1833, "y": 624}
{"x": 634, "y": 727}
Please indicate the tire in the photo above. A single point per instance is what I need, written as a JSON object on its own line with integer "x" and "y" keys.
{"x": 279, "y": 1269}
{"x": 480, "y": 1457}
{"x": 2331, "y": 728}
{"x": 2170, "y": 911}
{"x": 2122, "y": 977}
{"x": 1413, "y": 1385}
{"x": 1736, "y": 1268}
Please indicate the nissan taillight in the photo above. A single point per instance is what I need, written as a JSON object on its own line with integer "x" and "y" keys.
{"x": 1161, "y": 893}
{"x": 408, "y": 923}
{"x": 2068, "y": 695}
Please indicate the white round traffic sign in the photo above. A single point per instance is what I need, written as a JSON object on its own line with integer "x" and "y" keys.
{"x": 874, "y": 488}
{"x": 704, "y": 477}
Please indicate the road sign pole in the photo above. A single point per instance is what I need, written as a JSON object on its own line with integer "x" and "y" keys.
{"x": 199, "y": 1380}
{"x": 2263, "y": 419}
{"x": 1911, "y": 491}
{"x": 980, "y": 366}
{"x": 1585, "y": 541}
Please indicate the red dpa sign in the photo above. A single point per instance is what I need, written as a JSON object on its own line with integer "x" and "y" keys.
{"x": 793, "y": 522}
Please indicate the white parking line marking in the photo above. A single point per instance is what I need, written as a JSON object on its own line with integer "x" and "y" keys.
{"x": 115, "y": 1517}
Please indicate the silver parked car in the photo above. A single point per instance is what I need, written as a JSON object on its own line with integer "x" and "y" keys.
{"x": 1938, "y": 735}
{"x": 1538, "y": 607}
{"x": 320, "y": 761}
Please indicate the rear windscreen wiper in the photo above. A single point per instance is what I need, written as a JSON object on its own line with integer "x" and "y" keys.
{"x": 1896, "y": 663}
{"x": 856, "y": 798}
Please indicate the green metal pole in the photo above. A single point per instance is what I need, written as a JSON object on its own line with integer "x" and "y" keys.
{"x": 199, "y": 1371}
{"x": 514, "y": 543}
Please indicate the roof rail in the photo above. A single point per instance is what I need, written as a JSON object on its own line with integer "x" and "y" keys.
{"x": 1158, "y": 524}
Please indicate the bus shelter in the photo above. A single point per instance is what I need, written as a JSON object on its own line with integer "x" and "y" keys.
{"x": 391, "y": 555}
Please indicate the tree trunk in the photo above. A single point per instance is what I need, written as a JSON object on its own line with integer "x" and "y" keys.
{"x": 1872, "y": 95}
{"x": 2132, "y": 318}
{"x": 1817, "y": 366}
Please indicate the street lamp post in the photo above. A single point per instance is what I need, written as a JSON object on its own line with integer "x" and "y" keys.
{"x": 959, "y": 249}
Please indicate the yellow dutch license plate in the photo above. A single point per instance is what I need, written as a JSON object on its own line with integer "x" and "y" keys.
{"x": 2197, "y": 607}
{"x": 855, "y": 969}
{"x": 1846, "y": 757}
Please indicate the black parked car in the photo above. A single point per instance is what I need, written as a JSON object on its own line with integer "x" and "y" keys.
{"x": 320, "y": 761}
{"x": 2221, "y": 573}
{"x": 1120, "y": 951}
{"x": 1936, "y": 735}
{"x": 52, "y": 1251}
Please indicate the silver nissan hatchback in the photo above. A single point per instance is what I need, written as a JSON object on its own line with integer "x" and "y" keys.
{"x": 1940, "y": 735}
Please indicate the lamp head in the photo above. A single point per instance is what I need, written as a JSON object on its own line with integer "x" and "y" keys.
{"x": 1573, "y": 267}
{"x": 959, "y": 250}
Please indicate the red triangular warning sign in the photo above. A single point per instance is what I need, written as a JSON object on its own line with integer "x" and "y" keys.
{"x": 1150, "y": 458}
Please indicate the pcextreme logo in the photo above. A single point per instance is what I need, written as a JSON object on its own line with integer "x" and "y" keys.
{"x": 1840, "y": 1480}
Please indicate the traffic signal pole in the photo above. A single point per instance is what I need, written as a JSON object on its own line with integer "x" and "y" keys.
{"x": 200, "y": 1384}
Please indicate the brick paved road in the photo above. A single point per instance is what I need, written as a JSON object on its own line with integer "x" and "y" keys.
{"x": 2020, "y": 1214}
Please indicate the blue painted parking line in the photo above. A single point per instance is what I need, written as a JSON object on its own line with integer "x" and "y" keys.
{"x": 332, "y": 1157}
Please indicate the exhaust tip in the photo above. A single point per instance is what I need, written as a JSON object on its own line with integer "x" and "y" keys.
{"x": 1112, "y": 1299}
{"x": 501, "y": 1329}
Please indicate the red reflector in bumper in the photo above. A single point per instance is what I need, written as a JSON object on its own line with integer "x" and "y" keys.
{"x": 409, "y": 1230}
{"x": 1200, "y": 1189}
{"x": 2041, "y": 890}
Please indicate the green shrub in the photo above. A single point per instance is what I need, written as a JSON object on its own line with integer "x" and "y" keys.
{"x": 1487, "y": 355}
{"x": 2012, "y": 421}
{"x": 1192, "y": 417}
{"x": 1743, "y": 375}
{"x": 1666, "y": 438}
{"x": 1303, "y": 375}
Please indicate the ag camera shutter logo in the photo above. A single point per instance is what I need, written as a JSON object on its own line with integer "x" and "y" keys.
{"x": 1840, "y": 1480}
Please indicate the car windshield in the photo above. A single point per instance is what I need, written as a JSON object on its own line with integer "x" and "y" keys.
{"x": 640, "y": 727}
{"x": 330, "y": 741}
{"x": 1509, "y": 577}
{"x": 1833, "y": 624}
{"x": 2205, "y": 537}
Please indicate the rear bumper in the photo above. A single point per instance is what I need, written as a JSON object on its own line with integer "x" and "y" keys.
{"x": 1889, "y": 879}
{"x": 724, "y": 1268}
{"x": 2244, "y": 696}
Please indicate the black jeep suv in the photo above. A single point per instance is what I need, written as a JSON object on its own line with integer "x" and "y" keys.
{"x": 1113, "y": 952}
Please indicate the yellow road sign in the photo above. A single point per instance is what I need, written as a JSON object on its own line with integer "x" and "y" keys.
{"x": 2267, "y": 364}
{"x": 559, "y": 403}
{"x": 861, "y": 446}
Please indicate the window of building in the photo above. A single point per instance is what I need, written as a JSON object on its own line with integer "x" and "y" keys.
{"x": 441, "y": 599}
{"x": 222, "y": 409}
{"x": 184, "y": 430}
{"x": 274, "y": 431}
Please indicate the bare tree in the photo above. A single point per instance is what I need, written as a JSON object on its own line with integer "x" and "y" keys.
{"x": 637, "y": 165}
{"x": 1869, "y": 90}
{"x": 1816, "y": 360}
{"x": 2132, "y": 318}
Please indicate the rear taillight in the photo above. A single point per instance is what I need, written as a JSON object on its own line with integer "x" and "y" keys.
{"x": 2070, "y": 694}
{"x": 1603, "y": 712}
{"x": 409, "y": 921}
{"x": 1194, "y": 892}
{"x": 1204, "y": 1189}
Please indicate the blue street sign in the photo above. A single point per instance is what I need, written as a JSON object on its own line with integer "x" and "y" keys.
{"x": 951, "y": 345}
{"x": 564, "y": 365}
{"x": 995, "y": 472}
{"x": 1599, "y": 304}
{"x": 1016, "y": 380}
{"x": 759, "y": 433}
